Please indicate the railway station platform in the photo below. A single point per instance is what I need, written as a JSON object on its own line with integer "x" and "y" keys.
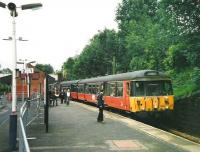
{"x": 74, "y": 128}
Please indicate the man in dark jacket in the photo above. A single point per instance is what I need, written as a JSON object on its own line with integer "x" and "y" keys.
{"x": 61, "y": 95}
{"x": 100, "y": 105}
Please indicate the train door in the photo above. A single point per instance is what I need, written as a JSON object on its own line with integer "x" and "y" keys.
{"x": 126, "y": 92}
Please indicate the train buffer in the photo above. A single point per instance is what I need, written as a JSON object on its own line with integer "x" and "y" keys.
{"x": 74, "y": 128}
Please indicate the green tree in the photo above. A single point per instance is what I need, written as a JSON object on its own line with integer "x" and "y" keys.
{"x": 185, "y": 16}
{"x": 68, "y": 68}
{"x": 45, "y": 68}
{"x": 6, "y": 71}
{"x": 96, "y": 58}
{"x": 145, "y": 40}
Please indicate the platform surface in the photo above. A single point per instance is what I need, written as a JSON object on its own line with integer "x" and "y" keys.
{"x": 74, "y": 128}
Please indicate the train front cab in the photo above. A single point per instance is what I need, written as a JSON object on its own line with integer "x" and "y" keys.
{"x": 151, "y": 96}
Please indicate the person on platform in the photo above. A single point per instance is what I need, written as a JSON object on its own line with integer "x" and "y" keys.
{"x": 68, "y": 96}
{"x": 61, "y": 95}
{"x": 100, "y": 105}
{"x": 65, "y": 96}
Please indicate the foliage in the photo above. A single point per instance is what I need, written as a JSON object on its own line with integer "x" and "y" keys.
{"x": 47, "y": 68}
{"x": 161, "y": 35}
{"x": 5, "y": 88}
{"x": 186, "y": 82}
{"x": 6, "y": 71}
{"x": 96, "y": 58}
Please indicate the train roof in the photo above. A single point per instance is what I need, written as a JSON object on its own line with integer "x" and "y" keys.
{"x": 128, "y": 76}
{"x": 69, "y": 82}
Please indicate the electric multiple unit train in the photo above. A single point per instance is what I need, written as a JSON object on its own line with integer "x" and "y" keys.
{"x": 138, "y": 91}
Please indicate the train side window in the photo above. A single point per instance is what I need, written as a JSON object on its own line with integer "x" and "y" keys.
{"x": 96, "y": 88}
{"x": 90, "y": 89}
{"x": 71, "y": 87}
{"x": 87, "y": 88}
{"x": 74, "y": 88}
{"x": 110, "y": 89}
{"x": 81, "y": 88}
{"x": 119, "y": 89}
{"x": 113, "y": 89}
{"x": 107, "y": 86}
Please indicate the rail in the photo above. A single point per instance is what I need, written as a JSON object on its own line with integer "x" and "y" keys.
{"x": 23, "y": 142}
{"x": 29, "y": 111}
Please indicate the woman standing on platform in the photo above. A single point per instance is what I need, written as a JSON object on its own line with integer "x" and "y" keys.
{"x": 100, "y": 105}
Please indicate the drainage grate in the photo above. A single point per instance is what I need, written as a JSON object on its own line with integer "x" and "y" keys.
{"x": 125, "y": 145}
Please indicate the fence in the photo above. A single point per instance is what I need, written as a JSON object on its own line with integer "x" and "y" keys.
{"x": 3, "y": 101}
{"x": 29, "y": 111}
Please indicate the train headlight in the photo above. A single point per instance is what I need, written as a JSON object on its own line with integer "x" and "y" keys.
{"x": 166, "y": 102}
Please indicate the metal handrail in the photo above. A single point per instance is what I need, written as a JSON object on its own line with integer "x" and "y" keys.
{"x": 25, "y": 141}
{"x": 23, "y": 111}
{"x": 29, "y": 111}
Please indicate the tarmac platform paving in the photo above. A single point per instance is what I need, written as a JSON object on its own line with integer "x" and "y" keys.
{"x": 74, "y": 128}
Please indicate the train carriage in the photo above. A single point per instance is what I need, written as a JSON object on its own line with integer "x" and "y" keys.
{"x": 145, "y": 90}
{"x": 72, "y": 85}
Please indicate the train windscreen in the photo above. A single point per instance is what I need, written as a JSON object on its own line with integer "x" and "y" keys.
{"x": 151, "y": 88}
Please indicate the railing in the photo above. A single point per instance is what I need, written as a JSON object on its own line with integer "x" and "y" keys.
{"x": 3, "y": 101}
{"x": 29, "y": 111}
{"x": 23, "y": 142}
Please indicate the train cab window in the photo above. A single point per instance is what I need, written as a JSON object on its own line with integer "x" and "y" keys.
{"x": 137, "y": 88}
{"x": 153, "y": 89}
{"x": 156, "y": 88}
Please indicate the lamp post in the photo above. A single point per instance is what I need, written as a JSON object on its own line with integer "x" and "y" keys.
{"x": 13, "y": 117}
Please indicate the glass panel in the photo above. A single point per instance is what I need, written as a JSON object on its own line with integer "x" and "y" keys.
{"x": 110, "y": 89}
{"x": 139, "y": 89}
{"x": 119, "y": 89}
{"x": 87, "y": 89}
{"x": 151, "y": 88}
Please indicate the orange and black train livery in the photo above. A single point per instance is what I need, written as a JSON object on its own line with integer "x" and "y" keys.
{"x": 138, "y": 91}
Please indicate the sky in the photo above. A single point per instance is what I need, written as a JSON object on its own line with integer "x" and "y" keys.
{"x": 57, "y": 31}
